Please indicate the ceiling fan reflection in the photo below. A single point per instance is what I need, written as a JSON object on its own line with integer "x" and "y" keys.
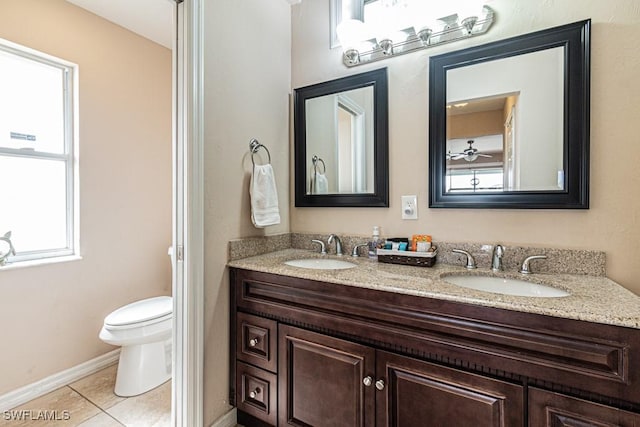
{"x": 469, "y": 154}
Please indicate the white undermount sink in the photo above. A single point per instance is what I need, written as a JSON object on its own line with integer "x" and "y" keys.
{"x": 321, "y": 263}
{"x": 500, "y": 285}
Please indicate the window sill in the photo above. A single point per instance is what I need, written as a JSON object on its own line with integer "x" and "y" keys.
{"x": 37, "y": 262}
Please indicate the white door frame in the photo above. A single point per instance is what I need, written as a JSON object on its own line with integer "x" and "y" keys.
{"x": 187, "y": 234}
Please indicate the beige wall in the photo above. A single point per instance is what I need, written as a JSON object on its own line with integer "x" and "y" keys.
{"x": 51, "y": 315}
{"x": 247, "y": 63}
{"x": 613, "y": 222}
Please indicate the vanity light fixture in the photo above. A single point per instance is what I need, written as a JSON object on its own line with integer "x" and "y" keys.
{"x": 360, "y": 46}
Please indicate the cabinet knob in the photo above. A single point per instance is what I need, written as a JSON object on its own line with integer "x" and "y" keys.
{"x": 367, "y": 381}
{"x": 253, "y": 342}
{"x": 380, "y": 384}
{"x": 254, "y": 393}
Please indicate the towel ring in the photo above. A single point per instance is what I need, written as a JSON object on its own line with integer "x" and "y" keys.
{"x": 315, "y": 160}
{"x": 254, "y": 146}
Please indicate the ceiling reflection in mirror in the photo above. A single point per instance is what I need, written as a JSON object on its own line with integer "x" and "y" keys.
{"x": 504, "y": 124}
{"x": 339, "y": 129}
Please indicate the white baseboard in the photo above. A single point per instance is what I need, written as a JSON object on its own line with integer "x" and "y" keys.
{"x": 230, "y": 419}
{"x": 39, "y": 388}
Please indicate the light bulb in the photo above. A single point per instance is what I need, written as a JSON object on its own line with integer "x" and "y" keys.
{"x": 351, "y": 33}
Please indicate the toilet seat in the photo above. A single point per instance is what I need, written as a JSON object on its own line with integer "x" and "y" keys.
{"x": 139, "y": 322}
{"x": 141, "y": 313}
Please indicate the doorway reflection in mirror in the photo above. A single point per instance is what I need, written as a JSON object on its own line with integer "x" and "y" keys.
{"x": 339, "y": 131}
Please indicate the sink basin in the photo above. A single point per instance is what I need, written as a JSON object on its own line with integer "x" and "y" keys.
{"x": 321, "y": 264}
{"x": 500, "y": 285}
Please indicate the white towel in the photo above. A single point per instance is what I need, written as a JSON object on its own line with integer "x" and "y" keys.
{"x": 320, "y": 184}
{"x": 264, "y": 197}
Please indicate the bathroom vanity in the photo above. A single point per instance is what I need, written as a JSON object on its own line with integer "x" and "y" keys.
{"x": 389, "y": 345}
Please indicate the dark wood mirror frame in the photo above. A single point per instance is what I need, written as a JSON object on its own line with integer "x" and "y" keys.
{"x": 380, "y": 196}
{"x": 575, "y": 38}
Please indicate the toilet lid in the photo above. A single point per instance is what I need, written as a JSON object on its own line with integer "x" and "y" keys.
{"x": 140, "y": 311}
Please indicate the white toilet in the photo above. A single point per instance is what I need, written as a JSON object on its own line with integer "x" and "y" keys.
{"x": 143, "y": 330}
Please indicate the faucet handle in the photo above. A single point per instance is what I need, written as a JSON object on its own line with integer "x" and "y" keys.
{"x": 323, "y": 249}
{"x": 471, "y": 263}
{"x": 526, "y": 269}
{"x": 354, "y": 252}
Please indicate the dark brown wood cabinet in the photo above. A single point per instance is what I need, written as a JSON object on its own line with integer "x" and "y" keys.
{"x": 418, "y": 393}
{"x": 257, "y": 392}
{"x": 548, "y": 409}
{"x": 257, "y": 341}
{"x": 321, "y": 380}
{"x": 325, "y": 381}
{"x": 309, "y": 353}
{"x": 255, "y": 361}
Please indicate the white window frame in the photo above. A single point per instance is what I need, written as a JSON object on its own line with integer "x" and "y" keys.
{"x": 69, "y": 156}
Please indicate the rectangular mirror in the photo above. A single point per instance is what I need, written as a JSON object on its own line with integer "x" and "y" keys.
{"x": 509, "y": 122}
{"x": 341, "y": 142}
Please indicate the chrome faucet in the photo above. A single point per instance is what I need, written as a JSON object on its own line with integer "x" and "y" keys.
{"x": 471, "y": 263}
{"x": 496, "y": 261}
{"x": 12, "y": 251}
{"x": 526, "y": 269}
{"x": 333, "y": 237}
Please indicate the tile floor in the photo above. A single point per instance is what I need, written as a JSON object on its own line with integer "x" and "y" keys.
{"x": 90, "y": 402}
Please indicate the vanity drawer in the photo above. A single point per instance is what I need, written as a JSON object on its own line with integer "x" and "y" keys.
{"x": 256, "y": 392}
{"x": 257, "y": 341}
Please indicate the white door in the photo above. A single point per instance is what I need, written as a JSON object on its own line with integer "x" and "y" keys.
{"x": 187, "y": 217}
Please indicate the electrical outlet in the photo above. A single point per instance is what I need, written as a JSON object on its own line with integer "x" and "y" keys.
{"x": 409, "y": 207}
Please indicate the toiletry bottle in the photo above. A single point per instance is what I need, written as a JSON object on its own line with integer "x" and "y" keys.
{"x": 375, "y": 243}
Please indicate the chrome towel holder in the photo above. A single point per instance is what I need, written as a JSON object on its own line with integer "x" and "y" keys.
{"x": 254, "y": 146}
{"x": 315, "y": 160}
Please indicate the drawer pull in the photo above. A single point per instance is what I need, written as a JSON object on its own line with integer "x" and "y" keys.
{"x": 254, "y": 393}
{"x": 253, "y": 342}
{"x": 367, "y": 381}
{"x": 380, "y": 384}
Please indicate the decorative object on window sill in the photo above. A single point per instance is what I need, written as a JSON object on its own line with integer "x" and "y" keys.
{"x": 359, "y": 47}
{"x": 11, "y": 251}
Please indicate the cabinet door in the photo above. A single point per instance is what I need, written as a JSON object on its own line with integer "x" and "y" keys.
{"x": 256, "y": 392}
{"x": 557, "y": 410}
{"x": 321, "y": 380}
{"x": 256, "y": 341}
{"x": 417, "y": 393}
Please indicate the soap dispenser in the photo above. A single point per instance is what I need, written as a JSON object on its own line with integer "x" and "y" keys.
{"x": 375, "y": 243}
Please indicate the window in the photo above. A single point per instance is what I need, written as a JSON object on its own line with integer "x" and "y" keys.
{"x": 475, "y": 180}
{"x": 37, "y": 110}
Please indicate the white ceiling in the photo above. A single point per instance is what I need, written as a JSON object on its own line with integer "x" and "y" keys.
{"x": 152, "y": 19}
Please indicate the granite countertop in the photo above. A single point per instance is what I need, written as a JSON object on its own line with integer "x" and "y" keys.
{"x": 592, "y": 298}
